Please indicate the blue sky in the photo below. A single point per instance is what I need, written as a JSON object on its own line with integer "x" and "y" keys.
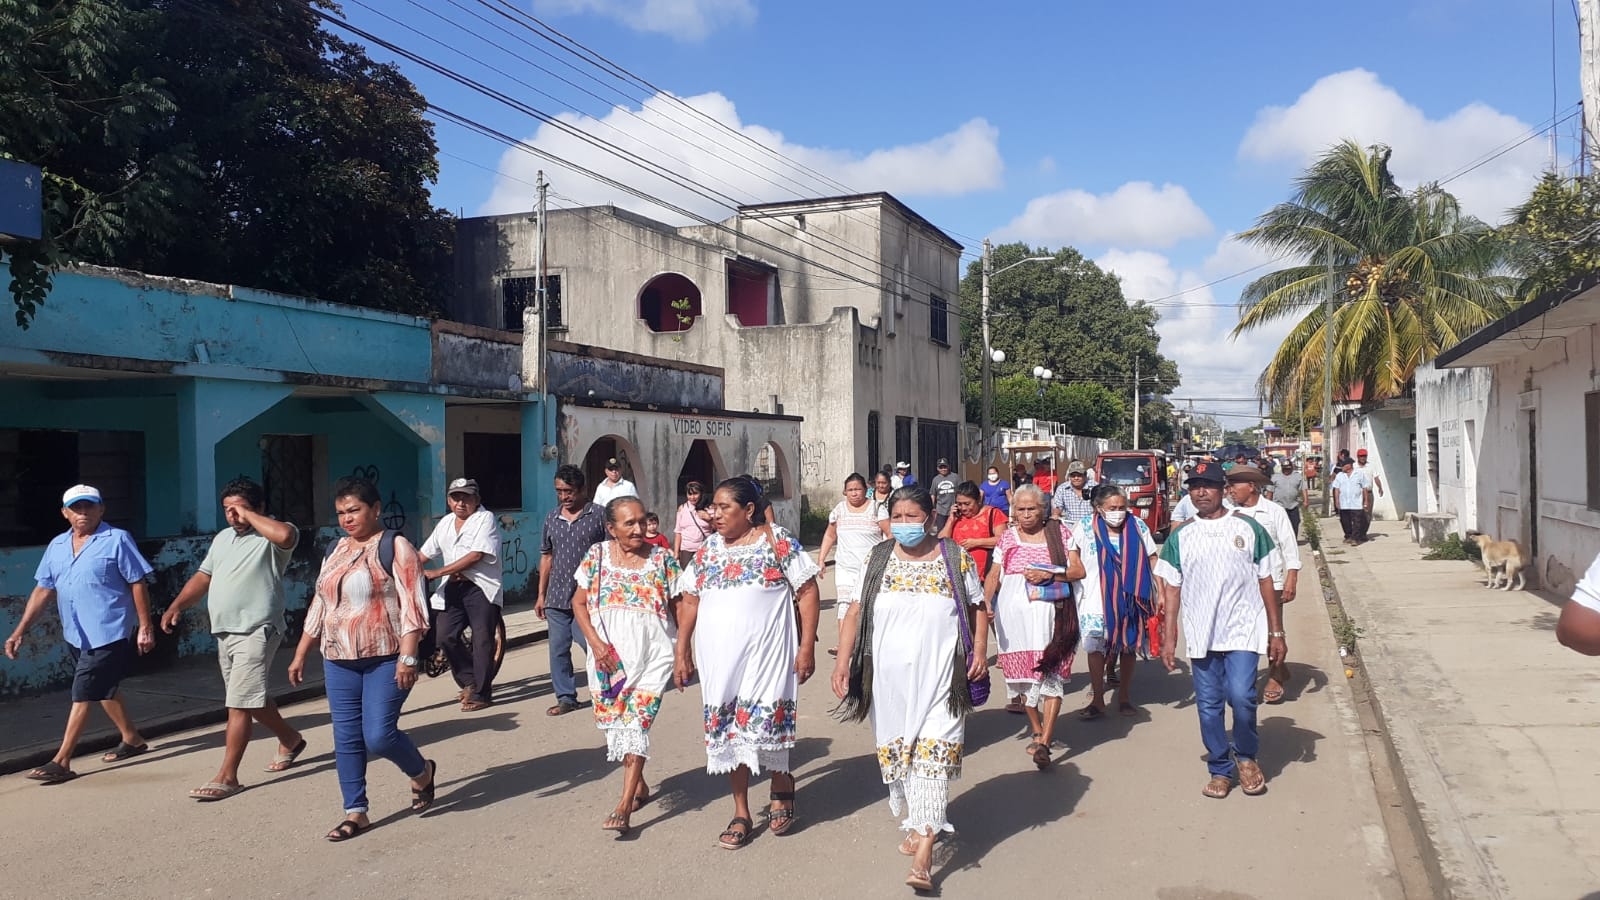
{"x": 1144, "y": 135}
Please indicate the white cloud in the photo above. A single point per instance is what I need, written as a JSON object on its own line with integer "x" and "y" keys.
{"x": 1137, "y": 214}
{"x": 663, "y": 132}
{"x": 686, "y": 20}
{"x": 1356, "y": 104}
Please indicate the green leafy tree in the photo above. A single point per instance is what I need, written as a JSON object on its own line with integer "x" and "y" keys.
{"x": 1412, "y": 276}
{"x": 1072, "y": 318}
{"x": 1554, "y": 238}
{"x": 251, "y": 146}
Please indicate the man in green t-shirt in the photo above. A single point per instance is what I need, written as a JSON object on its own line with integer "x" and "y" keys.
{"x": 242, "y": 575}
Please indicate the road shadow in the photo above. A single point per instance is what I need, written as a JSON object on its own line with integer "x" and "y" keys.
{"x": 541, "y": 776}
{"x": 1303, "y": 679}
{"x": 1284, "y": 744}
{"x": 429, "y": 733}
{"x": 989, "y": 812}
{"x": 211, "y": 739}
{"x": 841, "y": 786}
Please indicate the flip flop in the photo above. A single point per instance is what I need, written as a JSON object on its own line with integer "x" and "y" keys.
{"x": 1090, "y": 713}
{"x": 640, "y": 799}
{"x": 52, "y": 772}
{"x": 617, "y": 822}
{"x": 1272, "y": 696}
{"x": 920, "y": 879}
{"x": 124, "y": 751}
{"x": 284, "y": 761}
{"x": 212, "y": 791}
{"x": 561, "y": 709}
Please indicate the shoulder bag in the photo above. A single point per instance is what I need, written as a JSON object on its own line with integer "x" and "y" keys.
{"x": 977, "y": 691}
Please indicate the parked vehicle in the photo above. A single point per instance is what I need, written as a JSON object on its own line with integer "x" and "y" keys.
{"x": 1142, "y": 475}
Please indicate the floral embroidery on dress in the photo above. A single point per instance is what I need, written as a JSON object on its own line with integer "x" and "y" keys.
{"x": 633, "y": 708}
{"x": 647, "y": 588}
{"x": 928, "y": 758}
{"x": 769, "y": 726}
{"x": 760, "y": 564}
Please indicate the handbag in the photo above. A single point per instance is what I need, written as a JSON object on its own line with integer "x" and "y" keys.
{"x": 1052, "y": 591}
{"x": 977, "y": 691}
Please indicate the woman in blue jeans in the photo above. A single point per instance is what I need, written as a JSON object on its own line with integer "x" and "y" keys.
{"x": 369, "y": 614}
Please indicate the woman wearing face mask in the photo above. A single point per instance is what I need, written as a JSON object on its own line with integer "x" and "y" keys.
{"x": 736, "y": 620}
{"x": 903, "y": 663}
{"x": 856, "y": 525}
{"x": 996, "y": 491}
{"x": 627, "y": 586}
{"x": 1112, "y": 557}
{"x": 1026, "y": 629}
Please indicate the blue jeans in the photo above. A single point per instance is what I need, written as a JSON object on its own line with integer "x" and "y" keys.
{"x": 1226, "y": 677}
{"x": 562, "y": 634}
{"x": 364, "y": 703}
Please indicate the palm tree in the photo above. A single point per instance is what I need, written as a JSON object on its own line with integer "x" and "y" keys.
{"x": 1413, "y": 276}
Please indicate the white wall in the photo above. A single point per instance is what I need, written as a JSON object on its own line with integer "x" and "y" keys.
{"x": 1546, "y": 383}
{"x": 1386, "y": 436}
{"x": 1456, "y": 403}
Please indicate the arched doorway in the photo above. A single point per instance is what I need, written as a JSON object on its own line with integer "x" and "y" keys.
{"x": 669, "y": 303}
{"x": 700, "y": 465}
{"x": 606, "y": 447}
{"x": 772, "y": 470}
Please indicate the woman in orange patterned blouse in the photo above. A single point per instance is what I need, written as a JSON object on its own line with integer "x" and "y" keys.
{"x": 627, "y": 585}
{"x": 368, "y": 613}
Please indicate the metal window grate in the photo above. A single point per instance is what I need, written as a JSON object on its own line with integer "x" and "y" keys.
{"x": 287, "y": 467}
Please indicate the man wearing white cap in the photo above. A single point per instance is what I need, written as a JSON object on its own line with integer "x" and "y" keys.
{"x": 468, "y": 541}
{"x": 614, "y": 485}
{"x": 96, "y": 575}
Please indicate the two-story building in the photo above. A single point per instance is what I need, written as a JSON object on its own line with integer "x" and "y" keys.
{"x": 841, "y": 311}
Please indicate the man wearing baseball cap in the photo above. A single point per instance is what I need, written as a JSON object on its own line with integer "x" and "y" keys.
{"x": 96, "y": 575}
{"x": 1216, "y": 573}
{"x": 613, "y": 485}
{"x": 943, "y": 489}
{"x": 468, "y": 542}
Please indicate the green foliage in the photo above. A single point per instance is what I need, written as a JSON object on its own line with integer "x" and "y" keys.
{"x": 1085, "y": 408}
{"x": 813, "y": 522}
{"x": 231, "y": 141}
{"x": 1453, "y": 547}
{"x": 1554, "y": 237}
{"x": 1412, "y": 274}
{"x": 1345, "y": 629}
{"x": 1312, "y": 528}
{"x": 1072, "y": 318}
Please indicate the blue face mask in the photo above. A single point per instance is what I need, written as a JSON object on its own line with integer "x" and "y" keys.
{"x": 909, "y": 534}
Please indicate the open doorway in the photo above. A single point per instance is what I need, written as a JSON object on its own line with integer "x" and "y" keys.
{"x": 606, "y": 448}
{"x": 700, "y": 465}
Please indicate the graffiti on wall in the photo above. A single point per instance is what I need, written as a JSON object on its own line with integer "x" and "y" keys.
{"x": 811, "y": 453}
{"x": 393, "y": 512}
{"x": 513, "y": 559}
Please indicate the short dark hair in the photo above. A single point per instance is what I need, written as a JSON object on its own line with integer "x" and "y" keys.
{"x": 745, "y": 492}
{"x": 572, "y": 475}
{"x": 912, "y": 493}
{"x": 854, "y": 477}
{"x": 1104, "y": 491}
{"x": 652, "y": 517}
{"x": 359, "y": 488}
{"x": 970, "y": 490}
{"x": 248, "y": 491}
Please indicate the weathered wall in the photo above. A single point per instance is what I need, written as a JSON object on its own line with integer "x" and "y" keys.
{"x": 1386, "y": 434}
{"x": 1542, "y": 390}
{"x": 1456, "y": 402}
{"x": 658, "y": 443}
{"x": 596, "y": 374}
{"x": 491, "y": 360}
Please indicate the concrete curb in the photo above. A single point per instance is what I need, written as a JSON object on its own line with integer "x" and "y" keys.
{"x": 1416, "y": 859}
{"x": 198, "y": 718}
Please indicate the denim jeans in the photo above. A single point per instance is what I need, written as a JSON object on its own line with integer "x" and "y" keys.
{"x": 1226, "y": 678}
{"x": 562, "y": 634}
{"x": 364, "y": 703}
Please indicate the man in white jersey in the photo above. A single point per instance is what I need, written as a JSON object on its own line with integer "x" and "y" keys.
{"x": 1216, "y": 572}
{"x": 1244, "y": 489}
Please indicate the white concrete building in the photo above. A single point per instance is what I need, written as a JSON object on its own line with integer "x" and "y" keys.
{"x": 1452, "y": 409}
{"x": 840, "y": 311}
{"x": 1537, "y": 449}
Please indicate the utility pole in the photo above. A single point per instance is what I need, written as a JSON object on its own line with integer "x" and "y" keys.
{"x": 1589, "y": 68}
{"x": 543, "y": 337}
{"x": 987, "y": 426}
{"x": 1136, "y": 443}
{"x": 1327, "y": 394}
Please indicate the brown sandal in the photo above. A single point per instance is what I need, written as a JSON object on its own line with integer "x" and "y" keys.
{"x": 1251, "y": 779}
{"x": 1041, "y": 757}
{"x": 1218, "y": 787}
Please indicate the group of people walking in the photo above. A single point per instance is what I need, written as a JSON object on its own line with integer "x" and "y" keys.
{"x": 733, "y": 603}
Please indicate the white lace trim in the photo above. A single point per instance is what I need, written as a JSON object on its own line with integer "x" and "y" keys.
{"x": 622, "y": 741}
{"x": 729, "y": 756}
{"x": 1051, "y": 685}
{"x": 923, "y": 801}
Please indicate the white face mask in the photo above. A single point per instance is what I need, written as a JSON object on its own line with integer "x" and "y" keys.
{"x": 993, "y": 477}
{"x": 1115, "y": 517}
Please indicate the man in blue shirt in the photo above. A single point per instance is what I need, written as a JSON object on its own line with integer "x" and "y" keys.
{"x": 569, "y": 531}
{"x": 96, "y": 576}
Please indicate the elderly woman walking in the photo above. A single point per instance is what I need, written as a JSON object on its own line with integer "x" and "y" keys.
{"x": 368, "y": 614}
{"x": 627, "y": 618}
{"x": 855, "y": 525}
{"x": 1112, "y": 557}
{"x": 1035, "y": 621}
{"x": 748, "y": 620}
{"x": 907, "y": 658}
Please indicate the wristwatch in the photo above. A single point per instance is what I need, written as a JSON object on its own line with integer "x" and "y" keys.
{"x": 407, "y": 661}
{"x": 1270, "y": 634}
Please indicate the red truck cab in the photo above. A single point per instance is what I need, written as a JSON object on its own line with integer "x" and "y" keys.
{"x": 1142, "y": 475}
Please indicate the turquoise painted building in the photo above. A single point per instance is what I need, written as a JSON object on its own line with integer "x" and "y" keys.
{"x": 159, "y": 391}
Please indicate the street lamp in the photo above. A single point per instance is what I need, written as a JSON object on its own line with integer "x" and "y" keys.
{"x": 1043, "y": 376}
{"x": 989, "y": 353}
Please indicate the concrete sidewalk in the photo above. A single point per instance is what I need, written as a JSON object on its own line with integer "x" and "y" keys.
{"x": 1494, "y": 723}
{"x": 188, "y": 695}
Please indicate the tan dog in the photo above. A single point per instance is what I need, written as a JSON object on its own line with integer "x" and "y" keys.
{"x": 1501, "y": 557}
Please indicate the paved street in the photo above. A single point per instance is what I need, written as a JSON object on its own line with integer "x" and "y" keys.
{"x": 521, "y": 798}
